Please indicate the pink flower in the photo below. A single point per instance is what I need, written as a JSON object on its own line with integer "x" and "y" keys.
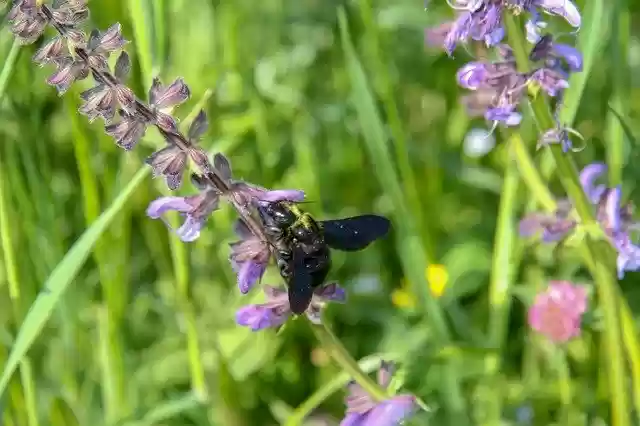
{"x": 557, "y": 312}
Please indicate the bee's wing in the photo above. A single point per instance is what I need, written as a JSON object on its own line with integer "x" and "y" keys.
{"x": 300, "y": 284}
{"x": 354, "y": 233}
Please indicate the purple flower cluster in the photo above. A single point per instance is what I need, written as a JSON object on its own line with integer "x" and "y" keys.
{"x": 615, "y": 218}
{"x": 498, "y": 87}
{"x": 76, "y": 55}
{"x": 362, "y": 410}
{"x": 481, "y": 20}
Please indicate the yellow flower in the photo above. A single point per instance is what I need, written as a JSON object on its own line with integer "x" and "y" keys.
{"x": 437, "y": 277}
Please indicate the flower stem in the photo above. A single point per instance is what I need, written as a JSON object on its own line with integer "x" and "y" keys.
{"x": 341, "y": 356}
{"x": 597, "y": 255}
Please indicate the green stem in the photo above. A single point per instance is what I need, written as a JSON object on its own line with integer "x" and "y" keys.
{"x": 341, "y": 356}
{"x": 593, "y": 252}
{"x": 502, "y": 273}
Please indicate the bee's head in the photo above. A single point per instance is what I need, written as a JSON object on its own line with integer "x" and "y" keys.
{"x": 276, "y": 213}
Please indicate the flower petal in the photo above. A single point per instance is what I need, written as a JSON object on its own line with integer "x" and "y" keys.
{"x": 259, "y": 317}
{"x": 588, "y": 176}
{"x": 472, "y": 75}
{"x": 164, "y": 204}
{"x": 612, "y": 219}
{"x": 392, "y": 411}
{"x": 249, "y": 274}
{"x": 190, "y": 229}
{"x": 564, "y": 8}
{"x": 571, "y": 55}
{"x": 354, "y": 419}
{"x": 282, "y": 195}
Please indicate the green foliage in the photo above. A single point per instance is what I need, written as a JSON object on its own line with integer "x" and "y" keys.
{"x": 107, "y": 319}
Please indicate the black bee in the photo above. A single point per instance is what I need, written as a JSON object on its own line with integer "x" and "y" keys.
{"x": 302, "y": 245}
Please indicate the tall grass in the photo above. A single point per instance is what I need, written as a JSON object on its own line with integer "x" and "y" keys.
{"x": 129, "y": 326}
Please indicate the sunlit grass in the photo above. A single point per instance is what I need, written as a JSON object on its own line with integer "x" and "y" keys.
{"x": 130, "y": 326}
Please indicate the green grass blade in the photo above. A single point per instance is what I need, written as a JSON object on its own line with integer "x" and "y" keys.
{"x": 61, "y": 278}
{"x": 17, "y": 300}
{"x": 410, "y": 247}
{"x": 141, "y": 19}
{"x": 7, "y": 67}
{"x": 619, "y": 48}
{"x": 504, "y": 267}
{"x": 590, "y": 44}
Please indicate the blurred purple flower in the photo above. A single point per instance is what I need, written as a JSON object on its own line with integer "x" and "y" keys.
{"x": 196, "y": 208}
{"x": 275, "y": 311}
{"x": 481, "y": 20}
{"x": 362, "y": 410}
{"x": 554, "y": 226}
{"x": 557, "y": 312}
{"x": 588, "y": 177}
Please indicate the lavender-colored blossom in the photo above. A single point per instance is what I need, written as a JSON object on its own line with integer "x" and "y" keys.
{"x": 362, "y": 410}
{"x": 554, "y": 226}
{"x": 276, "y": 310}
{"x": 564, "y": 8}
{"x": 249, "y": 257}
{"x": 481, "y": 20}
{"x": 588, "y": 177}
{"x": 499, "y": 88}
{"x": 196, "y": 208}
{"x": 245, "y": 194}
{"x": 557, "y": 312}
{"x": 550, "y": 80}
{"x": 617, "y": 222}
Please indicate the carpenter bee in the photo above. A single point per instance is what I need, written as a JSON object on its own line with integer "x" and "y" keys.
{"x": 302, "y": 245}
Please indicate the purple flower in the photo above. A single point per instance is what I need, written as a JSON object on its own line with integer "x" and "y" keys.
{"x": 362, "y": 410}
{"x": 481, "y": 20}
{"x": 249, "y": 257}
{"x": 554, "y": 227}
{"x": 617, "y": 222}
{"x": 196, "y": 208}
{"x": 557, "y": 312}
{"x": 550, "y": 80}
{"x": 499, "y": 89}
{"x": 276, "y": 310}
{"x": 588, "y": 177}
{"x": 563, "y": 8}
{"x": 504, "y": 112}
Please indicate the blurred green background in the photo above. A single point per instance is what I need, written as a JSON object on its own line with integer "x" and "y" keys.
{"x": 364, "y": 118}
